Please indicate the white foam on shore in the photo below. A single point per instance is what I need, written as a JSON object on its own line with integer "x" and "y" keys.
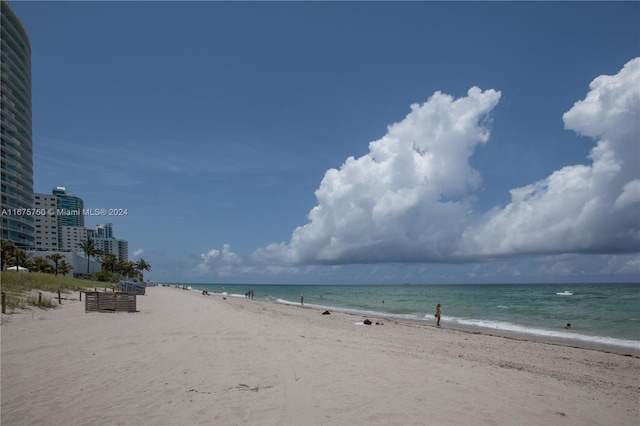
{"x": 539, "y": 332}
{"x": 500, "y": 326}
{"x": 224, "y": 293}
{"x": 489, "y": 325}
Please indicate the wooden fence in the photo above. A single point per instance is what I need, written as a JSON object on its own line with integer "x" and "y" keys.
{"x": 96, "y": 301}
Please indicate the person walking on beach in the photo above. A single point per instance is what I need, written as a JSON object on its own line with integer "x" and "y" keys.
{"x": 302, "y": 300}
{"x": 438, "y": 315}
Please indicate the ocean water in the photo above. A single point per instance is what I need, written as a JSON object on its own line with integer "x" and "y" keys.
{"x": 601, "y": 315}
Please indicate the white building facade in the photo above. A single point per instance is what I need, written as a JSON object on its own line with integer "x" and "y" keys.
{"x": 72, "y": 236}
{"x": 120, "y": 248}
{"x": 77, "y": 261}
{"x": 46, "y": 223}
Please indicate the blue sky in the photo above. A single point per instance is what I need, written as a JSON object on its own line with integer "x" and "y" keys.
{"x": 361, "y": 142}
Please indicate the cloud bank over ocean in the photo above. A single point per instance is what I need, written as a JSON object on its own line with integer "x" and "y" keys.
{"x": 410, "y": 199}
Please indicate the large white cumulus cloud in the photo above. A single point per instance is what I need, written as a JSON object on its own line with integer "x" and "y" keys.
{"x": 582, "y": 208}
{"x": 410, "y": 199}
{"x": 390, "y": 204}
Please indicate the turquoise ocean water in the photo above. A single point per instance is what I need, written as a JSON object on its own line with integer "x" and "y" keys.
{"x": 601, "y": 315}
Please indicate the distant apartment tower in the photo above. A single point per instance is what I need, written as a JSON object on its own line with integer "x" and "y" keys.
{"x": 102, "y": 235}
{"x": 16, "y": 167}
{"x": 104, "y": 230}
{"x": 69, "y": 211}
{"x": 46, "y": 223}
{"x": 120, "y": 248}
{"x": 70, "y": 207}
{"x": 72, "y": 236}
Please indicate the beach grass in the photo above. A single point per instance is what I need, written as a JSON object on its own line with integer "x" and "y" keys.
{"x": 20, "y": 288}
{"x": 40, "y": 302}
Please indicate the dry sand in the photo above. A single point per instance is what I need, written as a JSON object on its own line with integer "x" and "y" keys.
{"x": 185, "y": 359}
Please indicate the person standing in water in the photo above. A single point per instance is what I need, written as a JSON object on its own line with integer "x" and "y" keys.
{"x": 302, "y": 300}
{"x": 438, "y": 315}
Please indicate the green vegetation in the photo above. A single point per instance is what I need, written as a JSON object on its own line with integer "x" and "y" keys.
{"x": 12, "y": 256}
{"x": 56, "y": 257}
{"x": 21, "y": 286}
{"x": 40, "y": 302}
{"x": 114, "y": 270}
{"x": 90, "y": 250}
{"x": 141, "y": 266}
{"x": 25, "y": 281}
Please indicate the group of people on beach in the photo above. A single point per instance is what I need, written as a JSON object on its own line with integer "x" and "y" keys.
{"x": 250, "y": 294}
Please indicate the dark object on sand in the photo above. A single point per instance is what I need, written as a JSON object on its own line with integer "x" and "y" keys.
{"x": 132, "y": 287}
{"x": 120, "y": 301}
{"x": 367, "y": 322}
{"x": 326, "y": 313}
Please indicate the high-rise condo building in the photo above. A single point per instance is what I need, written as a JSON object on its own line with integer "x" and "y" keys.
{"x": 72, "y": 236}
{"x": 104, "y": 230}
{"x": 46, "y": 222}
{"x": 70, "y": 207}
{"x": 102, "y": 235}
{"x": 119, "y": 248}
{"x": 16, "y": 167}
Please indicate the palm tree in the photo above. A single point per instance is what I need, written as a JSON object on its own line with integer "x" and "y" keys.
{"x": 142, "y": 265}
{"x": 65, "y": 267}
{"x": 56, "y": 257}
{"x": 88, "y": 247}
{"x": 109, "y": 262}
{"x": 127, "y": 268}
{"x": 21, "y": 258}
{"x": 8, "y": 252}
{"x": 40, "y": 264}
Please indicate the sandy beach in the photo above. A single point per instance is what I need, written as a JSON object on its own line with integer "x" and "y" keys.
{"x": 187, "y": 359}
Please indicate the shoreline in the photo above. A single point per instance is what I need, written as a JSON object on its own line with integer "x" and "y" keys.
{"x": 552, "y": 340}
{"x": 184, "y": 358}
